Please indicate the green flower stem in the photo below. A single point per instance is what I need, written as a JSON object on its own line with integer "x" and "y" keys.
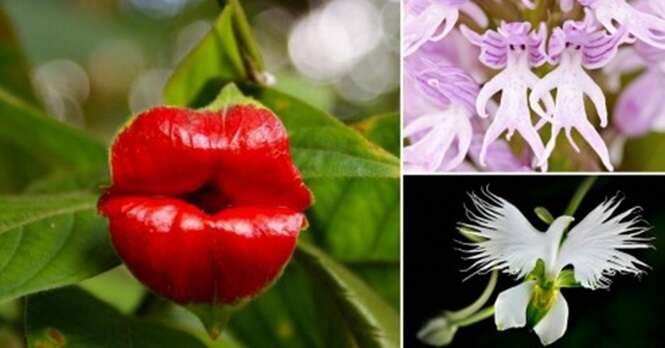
{"x": 479, "y": 316}
{"x": 245, "y": 35}
{"x": 468, "y": 312}
{"x": 581, "y": 192}
{"x": 575, "y": 202}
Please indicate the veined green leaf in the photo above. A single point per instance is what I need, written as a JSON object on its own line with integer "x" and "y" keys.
{"x": 48, "y": 241}
{"x": 70, "y": 317}
{"x": 322, "y": 146}
{"x": 382, "y": 130}
{"x": 369, "y": 320}
{"x": 215, "y": 61}
{"x": 356, "y": 220}
{"x": 282, "y": 317}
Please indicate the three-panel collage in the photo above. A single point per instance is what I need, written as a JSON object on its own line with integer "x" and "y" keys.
{"x": 332, "y": 173}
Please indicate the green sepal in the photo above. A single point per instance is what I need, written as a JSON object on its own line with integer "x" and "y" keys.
{"x": 214, "y": 317}
{"x": 538, "y": 273}
{"x": 544, "y": 215}
{"x": 229, "y": 96}
{"x": 470, "y": 234}
{"x": 566, "y": 279}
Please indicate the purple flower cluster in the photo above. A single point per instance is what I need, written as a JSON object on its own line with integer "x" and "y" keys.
{"x": 452, "y": 121}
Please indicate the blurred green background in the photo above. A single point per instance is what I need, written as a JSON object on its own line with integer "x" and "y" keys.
{"x": 96, "y": 62}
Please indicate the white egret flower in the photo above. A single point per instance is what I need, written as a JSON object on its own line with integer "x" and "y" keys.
{"x": 594, "y": 248}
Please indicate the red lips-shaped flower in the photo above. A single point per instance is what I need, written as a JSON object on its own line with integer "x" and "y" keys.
{"x": 205, "y": 206}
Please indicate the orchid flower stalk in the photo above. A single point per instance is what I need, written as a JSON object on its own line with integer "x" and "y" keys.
{"x": 586, "y": 256}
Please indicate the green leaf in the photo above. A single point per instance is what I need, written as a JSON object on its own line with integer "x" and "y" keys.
{"x": 48, "y": 241}
{"x": 357, "y": 222}
{"x": 215, "y": 61}
{"x": 282, "y": 317}
{"x": 70, "y": 317}
{"x": 322, "y": 146}
{"x": 14, "y": 69}
{"x": 118, "y": 288}
{"x": 382, "y": 130}
{"x": 33, "y": 143}
{"x": 368, "y": 320}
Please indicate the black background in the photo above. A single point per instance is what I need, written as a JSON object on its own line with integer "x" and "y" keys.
{"x": 628, "y": 315}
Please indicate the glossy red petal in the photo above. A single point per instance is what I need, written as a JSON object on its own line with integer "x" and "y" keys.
{"x": 205, "y": 206}
{"x": 243, "y": 151}
{"x": 192, "y": 257}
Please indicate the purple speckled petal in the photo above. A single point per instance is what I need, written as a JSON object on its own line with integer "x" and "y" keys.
{"x": 517, "y": 36}
{"x": 493, "y": 47}
{"x": 441, "y": 82}
{"x": 536, "y": 44}
{"x": 596, "y": 46}
{"x": 641, "y": 104}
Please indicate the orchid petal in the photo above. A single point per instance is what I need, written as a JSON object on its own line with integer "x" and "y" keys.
{"x": 595, "y": 141}
{"x": 433, "y": 136}
{"x": 553, "y": 325}
{"x": 597, "y": 97}
{"x": 658, "y": 6}
{"x": 511, "y": 243}
{"x": 540, "y": 91}
{"x": 432, "y": 23}
{"x": 529, "y": 4}
{"x": 641, "y": 105}
{"x": 511, "y": 304}
{"x": 490, "y": 88}
{"x": 625, "y": 61}
{"x": 476, "y": 13}
{"x": 644, "y": 26}
{"x": 566, "y": 5}
{"x": 594, "y": 246}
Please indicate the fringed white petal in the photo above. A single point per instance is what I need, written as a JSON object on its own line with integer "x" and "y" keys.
{"x": 510, "y": 243}
{"x": 594, "y": 247}
{"x": 553, "y": 325}
{"x": 510, "y": 306}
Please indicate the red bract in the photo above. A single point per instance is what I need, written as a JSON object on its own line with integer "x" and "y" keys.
{"x": 205, "y": 206}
